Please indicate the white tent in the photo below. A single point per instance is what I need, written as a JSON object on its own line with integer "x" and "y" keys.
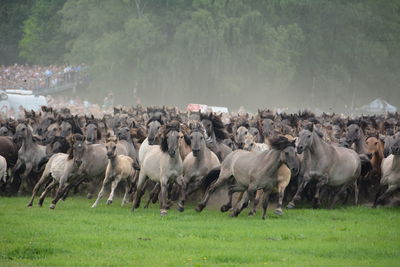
{"x": 378, "y": 106}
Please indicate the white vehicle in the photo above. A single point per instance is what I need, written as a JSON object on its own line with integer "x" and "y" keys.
{"x": 14, "y": 98}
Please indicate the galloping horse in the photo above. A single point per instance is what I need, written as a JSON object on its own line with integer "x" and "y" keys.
{"x": 253, "y": 171}
{"x": 329, "y": 165}
{"x": 163, "y": 164}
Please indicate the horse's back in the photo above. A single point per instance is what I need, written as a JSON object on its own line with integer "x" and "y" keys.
{"x": 56, "y": 165}
{"x": 144, "y": 147}
{"x": 346, "y": 166}
{"x": 390, "y": 170}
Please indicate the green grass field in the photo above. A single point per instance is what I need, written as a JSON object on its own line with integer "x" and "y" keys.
{"x": 75, "y": 235}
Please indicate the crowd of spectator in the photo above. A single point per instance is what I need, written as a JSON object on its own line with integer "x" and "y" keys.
{"x": 37, "y": 77}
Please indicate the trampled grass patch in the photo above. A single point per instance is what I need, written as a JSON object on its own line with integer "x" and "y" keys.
{"x": 75, "y": 235}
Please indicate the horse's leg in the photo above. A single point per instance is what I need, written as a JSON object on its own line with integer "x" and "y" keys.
{"x": 336, "y": 198}
{"x": 101, "y": 192}
{"x": 253, "y": 199}
{"x": 164, "y": 195}
{"x": 297, "y": 197}
{"x": 317, "y": 198}
{"x": 265, "y": 203}
{"x": 242, "y": 204}
{"x": 281, "y": 195}
{"x": 114, "y": 185}
{"x": 128, "y": 186}
{"x": 228, "y": 205}
{"x": 182, "y": 195}
{"x": 386, "y": 194}
{"x": 46, "y": 191}
{"x": 139, "y": 188}
{"x": 153, "y": 195}
{"x": 220, "y": 181}
{"x": 356, "y": 193}
{"x": 43, "y": 180}
{"x": 62, "y": 188}
{"x": 24, "y": 184}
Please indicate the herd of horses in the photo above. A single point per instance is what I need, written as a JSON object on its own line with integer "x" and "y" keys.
{"x": 172, "y": 156}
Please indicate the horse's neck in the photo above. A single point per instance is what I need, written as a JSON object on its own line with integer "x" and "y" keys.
{"x": 396, "y": 163}
{"x": 272, "y": 162}
{"x": 319, "y": 146}
{"x": 360, "y": 144}
{"x": 113, "y": 161}
{"x": 28, "y": 141}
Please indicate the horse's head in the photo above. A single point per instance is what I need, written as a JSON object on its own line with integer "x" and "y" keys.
{"x": 241, "y": 132}
{"x": 249, "y": 142}
{"x": 268, "y": 127}
{"x": 78, "y": 148}
{"x": 208, "y": 126}
{"x": 395, "y": 147}
{"x": 197, "y": 138}
{"x": 153, "y": 127}
{"x": 170, "y": 138}
{"x": 374, "y": 145}
{"x": 287, "y": 152}
{"x": 353, "y": 133}
{"x": 4, "y": 131}
{"x": 304, "y": 141}
{"x": 92, "y": 133}
{"x": 21, "y": 132}
{"x": 65, "y": 129}
{"x": 111, "y": 147}
{"x": 52, "y": 131}
{"x": 124, "y": 133}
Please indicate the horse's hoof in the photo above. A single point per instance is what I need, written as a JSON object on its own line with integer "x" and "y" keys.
{"x": 40, "y": 205}
{"x": 94, "y": 206}
{"x": 109, "y": 202}
{"x": 181, "y": 209}
{"x": 234, "y": 214}
{"x": 278, "y": 212}
{"x": 52, "y": 206}
{"x": 163, "y": 213}
{"x": 29, "y": 205}
{"x": 290, "y": 205}
{"x": 225, "y": 208}
{"x": 199, "y": 208}
{"x": 264, "y": 217}
{"x": 251, "y": 213}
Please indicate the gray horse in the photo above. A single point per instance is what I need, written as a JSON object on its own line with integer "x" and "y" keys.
{"x": 390, "y": 172}
{"x": 330, "y": 165}
{"x": 30, "y": 155}
{"x": 162, "y": 164}
{"x": 253, "y": 171}
{"x": 89, "y": 163}
{"x": 200, "y": 161}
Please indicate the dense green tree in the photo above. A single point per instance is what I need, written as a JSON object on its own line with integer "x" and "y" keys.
{"x": 299, "y": 53}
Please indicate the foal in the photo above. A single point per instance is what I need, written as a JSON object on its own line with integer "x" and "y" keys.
{"x": 120, "y": 167}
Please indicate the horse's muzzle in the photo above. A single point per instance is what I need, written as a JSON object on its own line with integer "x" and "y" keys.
{"x": 172, "y": 153}
{"x": 196, "y": 152}
{"x": 299, "y": 149}
{"x": 78, "y": 163}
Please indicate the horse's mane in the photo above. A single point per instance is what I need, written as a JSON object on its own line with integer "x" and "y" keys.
{"x": 218, "y": 126}
{"x": 280, "y": 142}
{"x": 155, "y": 118}
{"x": 171, "y": 126}
{"x": 71, "y": 140}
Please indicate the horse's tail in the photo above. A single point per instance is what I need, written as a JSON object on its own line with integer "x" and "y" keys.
{"x": 366, "y": 165}
{"x": 210, "y": 177}
{"x": 42, "y": 163}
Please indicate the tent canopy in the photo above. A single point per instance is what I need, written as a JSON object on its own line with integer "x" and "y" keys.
{"x": 379, "y": 106}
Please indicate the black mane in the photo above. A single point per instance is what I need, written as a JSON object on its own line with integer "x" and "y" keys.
{"x": 171, "y": 126}
{"x": 218, "y": 127}
{"x": 280, "y": 142}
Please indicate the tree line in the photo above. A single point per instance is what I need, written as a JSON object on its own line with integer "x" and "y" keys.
{"x": 327, "y": 54}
